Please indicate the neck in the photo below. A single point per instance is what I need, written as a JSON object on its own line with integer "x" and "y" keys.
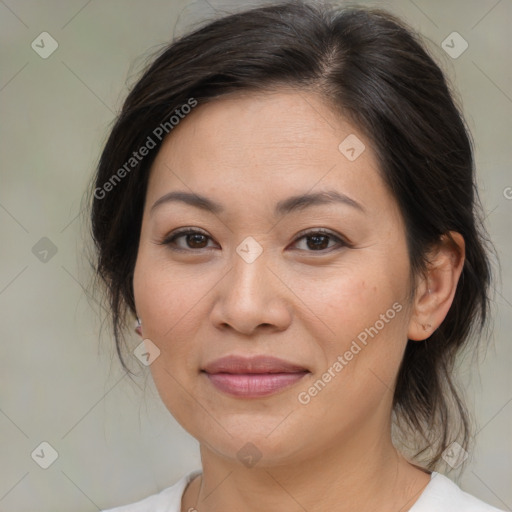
{"x": 365, "y": 474}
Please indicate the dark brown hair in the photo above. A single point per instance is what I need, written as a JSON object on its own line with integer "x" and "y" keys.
{"x": 371, "y": 68}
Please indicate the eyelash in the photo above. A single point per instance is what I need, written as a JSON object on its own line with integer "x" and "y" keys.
{"x": 171, "y": 238}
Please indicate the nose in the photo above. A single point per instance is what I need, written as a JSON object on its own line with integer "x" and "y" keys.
{"x": 251, "y": 298}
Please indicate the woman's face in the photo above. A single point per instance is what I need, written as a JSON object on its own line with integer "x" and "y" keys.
{"x": 320, "y": 283}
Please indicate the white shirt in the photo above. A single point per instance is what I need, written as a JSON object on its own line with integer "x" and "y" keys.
{"x": 440, "y": 495}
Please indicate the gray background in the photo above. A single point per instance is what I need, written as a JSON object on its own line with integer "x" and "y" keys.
{"x": 60, "y": 382}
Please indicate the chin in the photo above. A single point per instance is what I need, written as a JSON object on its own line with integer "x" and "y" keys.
{"x": 251, "y": 440}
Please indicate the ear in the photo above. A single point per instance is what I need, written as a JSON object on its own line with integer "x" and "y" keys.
{"x": 138, "y": 327}
{"x": 435, "y": 290}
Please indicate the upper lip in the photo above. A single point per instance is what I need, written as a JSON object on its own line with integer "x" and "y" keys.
{"x": 254, "y": 364}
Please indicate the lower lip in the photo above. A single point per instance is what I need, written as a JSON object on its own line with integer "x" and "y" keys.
{"x": 253, "y": 384}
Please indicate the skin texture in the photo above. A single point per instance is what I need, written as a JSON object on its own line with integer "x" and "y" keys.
{"x": 296, "y": 302}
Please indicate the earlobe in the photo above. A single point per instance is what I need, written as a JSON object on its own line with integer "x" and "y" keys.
{"x": 436, "y": 289}
{"x": 138, "y": 326}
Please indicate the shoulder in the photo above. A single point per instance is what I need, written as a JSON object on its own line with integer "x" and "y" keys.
{"x": 443, "y": 495}
{"x": 168, "y": 500}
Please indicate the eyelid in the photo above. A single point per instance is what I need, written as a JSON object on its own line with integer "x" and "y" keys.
{"x": 323, "y": 231}
{"x": 179, "y": 232}
{"x": 342, "y": 241}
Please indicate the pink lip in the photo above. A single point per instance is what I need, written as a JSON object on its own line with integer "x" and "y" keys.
{"x": 252, "y": 377}
{"x": 254, "y": 364}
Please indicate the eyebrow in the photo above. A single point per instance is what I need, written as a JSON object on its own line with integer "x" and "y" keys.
{"x": 283, "y": 207}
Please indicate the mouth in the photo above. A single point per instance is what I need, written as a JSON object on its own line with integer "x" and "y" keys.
{"x": 252, "y": 377}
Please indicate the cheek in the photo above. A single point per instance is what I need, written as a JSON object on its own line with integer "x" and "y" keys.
{"x": 167, "y": 296}
{"x": 362, "y": 354}
{"x": 351, "y": 297}
{"x": 169, "y": 303}
{"x": 174, "y": 304}
{"x": 364, "y": 315}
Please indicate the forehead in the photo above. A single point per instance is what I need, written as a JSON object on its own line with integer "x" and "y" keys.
{"x": 267, "y": 144}
{"x": 260, "y": 126}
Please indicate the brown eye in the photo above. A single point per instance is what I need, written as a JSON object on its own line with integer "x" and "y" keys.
{"x": 196, "y": 241}
{"x": 320, "y": 240}
{"x": 191, "y": 239}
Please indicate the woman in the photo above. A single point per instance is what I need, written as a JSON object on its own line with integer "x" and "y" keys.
{"x": 286, "y": 204}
